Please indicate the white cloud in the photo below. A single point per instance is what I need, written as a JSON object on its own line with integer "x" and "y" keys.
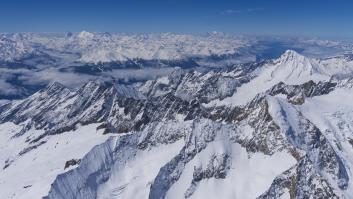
{"x": 240, "y": 11}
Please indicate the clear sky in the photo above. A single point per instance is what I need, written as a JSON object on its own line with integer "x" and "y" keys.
{"x": 326, "y": 18}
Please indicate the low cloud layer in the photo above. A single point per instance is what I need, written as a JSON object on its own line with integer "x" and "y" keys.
{"x": 13, "y": 82}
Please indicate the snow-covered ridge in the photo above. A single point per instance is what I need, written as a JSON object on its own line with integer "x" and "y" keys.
{"x": 57, "y": 109}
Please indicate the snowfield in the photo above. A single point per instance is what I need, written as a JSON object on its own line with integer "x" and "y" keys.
{"x": 31, "y": 174}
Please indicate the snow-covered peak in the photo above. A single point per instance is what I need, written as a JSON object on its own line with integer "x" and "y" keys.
{"x": 292, "y": 57}
{"x": 85, "y": 35}
{"x": 294, "y": 68}
{"x": 290, "y": 54}
{"x": 298, "y": 66}
{"x": 291, "y": 68}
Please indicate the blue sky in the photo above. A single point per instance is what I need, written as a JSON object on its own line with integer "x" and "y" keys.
{"x": 325, "y": 18}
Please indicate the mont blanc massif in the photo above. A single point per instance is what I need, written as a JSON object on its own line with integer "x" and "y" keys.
{"x": 98, "y": 115}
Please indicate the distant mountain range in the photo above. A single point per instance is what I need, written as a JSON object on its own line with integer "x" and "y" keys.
{"x": 87, "y": 47}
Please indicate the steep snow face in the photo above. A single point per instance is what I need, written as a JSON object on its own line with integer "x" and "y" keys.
{"x": 123, "y": 167}
{"x": 30, "y": 168}
{"x": 332, "y": 114}
{"x": 328, "y": 159}
{"x": 244, "y": 178}
{"x": 132, "y": 180}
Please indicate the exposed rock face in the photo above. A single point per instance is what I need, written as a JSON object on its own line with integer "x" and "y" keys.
{"x": 56, "y": 109}
{"x": 72, "y": 162}
{"x": 296, "y": 93}
{"x": 201, "y": 86}
{"x": 301, "y": 181}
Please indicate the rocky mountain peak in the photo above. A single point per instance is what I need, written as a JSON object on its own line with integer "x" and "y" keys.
{"x": 113, "y": 88}
{"x": 54, "y": 86}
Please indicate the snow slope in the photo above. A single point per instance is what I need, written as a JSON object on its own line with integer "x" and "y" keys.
{"x": 30, "y": 174}
{"x": 244, "y": 179}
